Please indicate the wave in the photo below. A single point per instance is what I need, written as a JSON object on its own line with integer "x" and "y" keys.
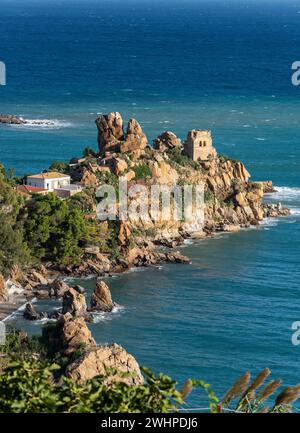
{"x": 269, "y": 222}
{"x": 43, "y": 321}
{"x": 103, "y": 317}
{"x": 295, "y": 211}
{"x": 286, "y": 193}
{"x": 42, "y": 124}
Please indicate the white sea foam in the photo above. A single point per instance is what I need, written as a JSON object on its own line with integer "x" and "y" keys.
{"x": 135, "y": 269}
{"x": 38, "y": 124}
{"x": 188, "y": 241}
{"x": 269, "y": 222}
{"x": 286, "y": 193}
{"x": 295, "y": 211}
{"x": 103, "y": 317}
{"x": 43, "y": 321}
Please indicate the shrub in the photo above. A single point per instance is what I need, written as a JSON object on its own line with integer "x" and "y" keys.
{"x": 224, "y": 158}
{"x": 61, "y": 167}
{"x": 88, "y": 151}
{"x": 29, "y": 386}
{"x": 209, "y": 196}
{"x": 142, "y": 171}
{"x": 178, "y": 158}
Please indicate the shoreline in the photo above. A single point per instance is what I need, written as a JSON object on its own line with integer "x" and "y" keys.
{"x": 10, "y": 308}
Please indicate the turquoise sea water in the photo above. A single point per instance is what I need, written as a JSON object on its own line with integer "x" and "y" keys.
{"x": 176, "y": 66}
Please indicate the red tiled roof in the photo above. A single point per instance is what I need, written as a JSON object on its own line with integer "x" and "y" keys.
{"x": 30, "y": 189}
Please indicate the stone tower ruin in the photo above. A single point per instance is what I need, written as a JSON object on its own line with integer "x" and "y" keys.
{"x": 198, "y": 145}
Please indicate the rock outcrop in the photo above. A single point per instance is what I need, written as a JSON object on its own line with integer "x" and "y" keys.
{"x": 143, "y": 256}
{"x": 3, "y": 290}
{"x": 162, "y": 172}
{"x": 101, "y": 298}
{"x": 267, "y": 186}
{"x": 135, "y": 140}
{"x": 110, "y": 132}
{"x": 11, "y": 120}
{"x": 275, "y": 210}
{"x": 98, "y": 361}
{"x": 72, "y": 338}
{"x": 70, "y": 334}
{"x": 54, "y": 289}
{"x": 58, "y": 288}
{"x": 167, "y": 141}
{"x": 30, "y": 313}
{"x": 111, "y": 136}
{"x": 88, "y": 179}
{"x": 74, "y": 303}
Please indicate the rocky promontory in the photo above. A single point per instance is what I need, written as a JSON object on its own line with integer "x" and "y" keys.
{"x": 231, "y": 202}
{"x": 85, "y": 359}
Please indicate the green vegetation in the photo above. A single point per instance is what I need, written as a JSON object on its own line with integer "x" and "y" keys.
{"x": 178, "y": 159}
{"x": 48, "y": 228}
{"x": 32, "y": 383}
{"x": 252, "y": 397}
{"x": 106, "y": 177}
{"x": 61, "y": 167}
{"x": 88, "y": 152}
{"x": 13, "y": 249}
{"x": 224, "y": 158}
{"x": 55, "y": 230}
{"x": 25, "y": 378}
{"x": 209, "y": 196}
{"x": 142, "y": 171}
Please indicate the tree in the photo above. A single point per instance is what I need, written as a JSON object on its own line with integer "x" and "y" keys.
{"x": 55, "y": 230}
{"x": 13, "y": 250}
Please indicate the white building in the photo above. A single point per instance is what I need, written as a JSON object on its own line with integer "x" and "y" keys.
{"x": 50, "y": 181}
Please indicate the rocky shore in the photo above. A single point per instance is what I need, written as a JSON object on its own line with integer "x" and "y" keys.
{"x": 232, "y": 202}
{"x": 8, "y": 119}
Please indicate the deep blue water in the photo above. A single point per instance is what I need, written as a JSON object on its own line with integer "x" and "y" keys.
{"x": 176, "y": 65}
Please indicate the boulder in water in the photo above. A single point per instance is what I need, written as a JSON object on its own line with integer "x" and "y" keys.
{"x": 101, "y": 298}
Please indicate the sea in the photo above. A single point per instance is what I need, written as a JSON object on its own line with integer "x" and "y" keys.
{"x": 175, "y": 65}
